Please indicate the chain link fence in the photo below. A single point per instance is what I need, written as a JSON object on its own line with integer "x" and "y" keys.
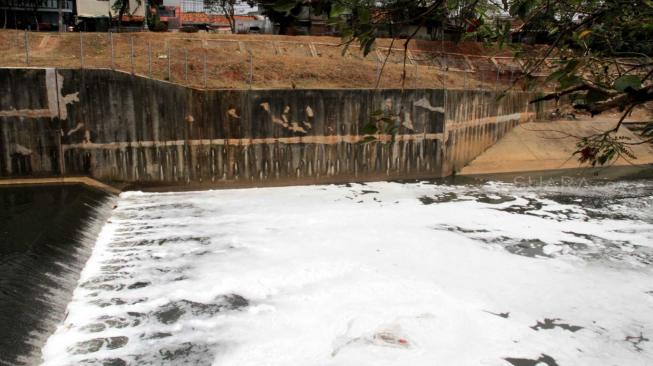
{"x": 207, "y": 61}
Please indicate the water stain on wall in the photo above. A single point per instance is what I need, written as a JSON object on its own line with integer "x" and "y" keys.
{"x": 119, "y": 127}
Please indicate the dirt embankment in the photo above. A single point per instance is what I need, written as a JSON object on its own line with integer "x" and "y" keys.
{"x": 264, "y": 61}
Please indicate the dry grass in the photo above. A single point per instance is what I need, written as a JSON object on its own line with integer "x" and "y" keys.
{"x": 276, "y": 61}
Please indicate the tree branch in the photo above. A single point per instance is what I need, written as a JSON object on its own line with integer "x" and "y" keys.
{"x": 634, "y": 97}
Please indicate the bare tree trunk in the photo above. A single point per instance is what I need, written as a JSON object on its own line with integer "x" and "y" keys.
{"x": 121, "y": 12}
{"x": 35, "y": 14}
{"x": 232, "y": 23}
{"x": 228, "y": 10}
{"x": 4, "y": 25}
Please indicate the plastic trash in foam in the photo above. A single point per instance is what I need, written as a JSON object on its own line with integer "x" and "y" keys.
{"x": 385, "y": 336}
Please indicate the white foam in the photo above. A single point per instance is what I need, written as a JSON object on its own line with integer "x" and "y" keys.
{"x": 338, "y": 276}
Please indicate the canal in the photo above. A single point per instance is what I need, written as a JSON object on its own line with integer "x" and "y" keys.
{"x": 554, "y": 271}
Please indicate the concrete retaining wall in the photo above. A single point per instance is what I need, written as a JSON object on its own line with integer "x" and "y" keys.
{"x": 118, "y": 127}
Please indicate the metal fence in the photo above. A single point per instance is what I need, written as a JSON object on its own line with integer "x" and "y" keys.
{"x": 204, "y": 61}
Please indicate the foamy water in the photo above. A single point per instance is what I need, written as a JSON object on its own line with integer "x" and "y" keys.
{"x": 376, "y": 274}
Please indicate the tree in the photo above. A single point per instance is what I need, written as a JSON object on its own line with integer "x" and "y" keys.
{"x": 282, "y": 12}
{"x": 227, "y": 8}
{"x": 601, "y": 54}
{"x": 122, "y": 7}
{"x": 600, "y": 50}
{"x": 35, "y": 5}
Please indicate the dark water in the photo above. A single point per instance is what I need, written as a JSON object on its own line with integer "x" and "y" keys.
{"x": 46, "y": 236}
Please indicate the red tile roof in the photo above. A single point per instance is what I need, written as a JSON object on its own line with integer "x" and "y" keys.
{"x": 203, "y": 18}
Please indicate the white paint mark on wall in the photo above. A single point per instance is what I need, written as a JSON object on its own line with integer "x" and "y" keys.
{"x": 77, "y": 128}
{"x": 57, "y": 102}
{"x": 285, "y": 118}
{"x": 22, "y": 150}
{"x": 509, "y": 117}
{"x": 54, "y": 85}
{"x": 424, "y": 103}
{"x": 233, "y": 113}
{"x": 407, "y": 121}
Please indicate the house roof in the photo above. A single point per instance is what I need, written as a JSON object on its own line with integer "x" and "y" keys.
{"x": 203, "y": 18}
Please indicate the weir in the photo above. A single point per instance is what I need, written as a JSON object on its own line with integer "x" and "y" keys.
{"x": 117, "y": 127}
{"x": 48, "y": 234}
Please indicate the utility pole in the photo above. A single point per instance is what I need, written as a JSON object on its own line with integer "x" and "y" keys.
{"x": 60, "y": 6}
{"x": 147, "y": 12}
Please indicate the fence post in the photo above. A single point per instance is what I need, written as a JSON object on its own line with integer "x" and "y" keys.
{"x": 479, "y": 79}
{"x": 496, "y": 84}
{"x": 149, "y": 58}
{"x": 81, "y": 49}
{"x": 465, "y": 80}
{"x": 169, "y": 55}
{"x": 26, "y": 47}
{"x": 416, "y": 70}
{"x": 186, "y": 65}
{"x": 131, "y": 52}
{"x": 445, "y": 66}
{"x": 113, "y": 66}
{"x": 204, "y": 74}
{"x": 251, "y": 69}
{"x": 378, "y": 67}
{"x": 512, "y": 71}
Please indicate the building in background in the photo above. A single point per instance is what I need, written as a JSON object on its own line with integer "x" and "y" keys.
{"x": 36, "y": 14}
{"x": 98, "y": 15}
{"x": 219, "y": 23}
{"x": 197, "y": 6}
{"x": 168, "y": 15}
{"x": 182, "y": 13}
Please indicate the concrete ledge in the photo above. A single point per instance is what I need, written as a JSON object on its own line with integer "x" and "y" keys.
{"x": 538, "y": 146}
{"x": 90, "y": 182}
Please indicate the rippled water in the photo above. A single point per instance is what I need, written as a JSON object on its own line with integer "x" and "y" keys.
{"x": 382, "y": 274}
{"x": 46, "y": 236}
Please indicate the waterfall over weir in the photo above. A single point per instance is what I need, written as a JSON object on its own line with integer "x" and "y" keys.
{"x": 46, "y": 237}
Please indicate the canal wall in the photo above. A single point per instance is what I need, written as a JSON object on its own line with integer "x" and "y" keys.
{"x": 118, "y": 127}
{"x": 551, "y": 145}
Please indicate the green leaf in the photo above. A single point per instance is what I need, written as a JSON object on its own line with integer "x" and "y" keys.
{"x": 391, "y": 128}
{"x": 369, "y": 129}
{"x": 568, "y": 81}
{"x": 501, "y": 95}
{"x": 594, "y": 96}
{"x": 627, "y": 81}
{"x": 338, "y": 9}
{"x": 285, "y": 6}
{"x": 555, "y": 75}
{"x": 648, "y": 129}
